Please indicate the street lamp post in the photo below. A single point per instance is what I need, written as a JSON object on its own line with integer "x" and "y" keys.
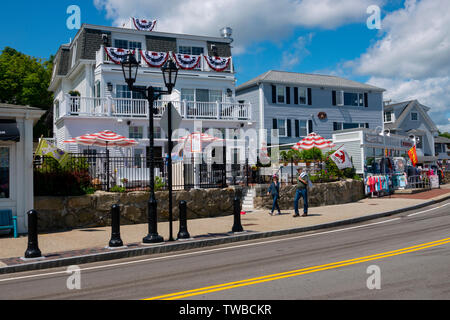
{"x": 130, "y": 69}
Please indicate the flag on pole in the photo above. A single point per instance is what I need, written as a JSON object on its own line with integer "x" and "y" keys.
{"x": 342, "y": 159}
{"x": 412, "y": 153}
{"x": 49, "y": 150}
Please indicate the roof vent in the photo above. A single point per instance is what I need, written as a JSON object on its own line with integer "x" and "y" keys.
{"x": 226, "y": 33}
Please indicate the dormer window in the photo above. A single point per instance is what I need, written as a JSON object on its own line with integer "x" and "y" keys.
{"x": 414, "y": 116}
{"x": 191, "y": 50}
{"x": 389, "y": 117}
{"x": 125, "y": 44}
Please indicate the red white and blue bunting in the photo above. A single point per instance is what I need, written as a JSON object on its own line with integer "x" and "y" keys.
{"x": 186, "y": 61}
{"x": 155, "y": 59}
{"x": 117, "y": 55}
{"x": 217, "y": 63}
{"x": 144, "y": 25}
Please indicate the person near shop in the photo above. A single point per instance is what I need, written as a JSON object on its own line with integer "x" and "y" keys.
{"x": 274, "y": 190}
{"x": 301, "y": 192}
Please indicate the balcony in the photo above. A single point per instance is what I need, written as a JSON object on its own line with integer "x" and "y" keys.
{"x": 103, "y": 58}
{"x": 133, "y": 108}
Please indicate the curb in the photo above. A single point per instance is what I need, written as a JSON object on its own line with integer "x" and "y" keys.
{"x": 179, "y": 246}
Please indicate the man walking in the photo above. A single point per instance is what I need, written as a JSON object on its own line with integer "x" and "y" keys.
{"x": 302, "y": 191}
{"x": 274, "y": 190}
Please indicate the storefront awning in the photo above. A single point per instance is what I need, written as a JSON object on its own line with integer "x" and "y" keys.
{"x": 9, "y": 131}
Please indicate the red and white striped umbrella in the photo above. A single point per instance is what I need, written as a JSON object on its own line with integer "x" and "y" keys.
{"x": 204, "y": 137}
{"x": 313, "y": 140}
{"x": 103, "y": 139}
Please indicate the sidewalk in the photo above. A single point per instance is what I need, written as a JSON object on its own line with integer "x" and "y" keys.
{"x": 93, "y": 241}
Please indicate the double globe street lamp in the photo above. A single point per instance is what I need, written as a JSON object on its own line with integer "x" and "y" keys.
{"x": 130, "y": 67}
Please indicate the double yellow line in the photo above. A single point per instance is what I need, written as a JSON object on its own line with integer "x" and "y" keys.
{"x": 294, "y": 273}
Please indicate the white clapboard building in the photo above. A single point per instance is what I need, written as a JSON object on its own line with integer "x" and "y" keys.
{"x": 91, "y": 94}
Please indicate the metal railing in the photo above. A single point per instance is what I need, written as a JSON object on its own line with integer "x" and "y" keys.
{"x": 101, "y": 172}
{"x": 418, "y": 182}
{"x": 138, "y": 108}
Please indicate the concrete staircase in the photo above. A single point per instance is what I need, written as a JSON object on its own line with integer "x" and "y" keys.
{"x": 248, "y": 200}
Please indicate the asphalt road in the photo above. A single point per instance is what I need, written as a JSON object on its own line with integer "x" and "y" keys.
{"x": 411, "y": 251}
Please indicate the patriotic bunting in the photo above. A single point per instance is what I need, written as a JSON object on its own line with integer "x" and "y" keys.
{"x": 117, "y": 55}
{"x": 155, "y": 59}
{"x": 217, "y": 63}
{"x": 144, "y": 25}
{"x": 186, "y": 61}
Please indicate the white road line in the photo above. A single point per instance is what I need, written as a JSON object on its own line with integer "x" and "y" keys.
{"x": 415, "y": 214}
{"x": 210, "y": 250}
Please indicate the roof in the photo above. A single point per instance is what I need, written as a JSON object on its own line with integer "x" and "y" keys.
{"x": 18, "y": 107}
{"x": 294, "y": 78}
{"x": 11, "y": 111}
{"x": 152, "y": 33}
{"x": 440, "y": 139}
{"x": 406, "y": 107}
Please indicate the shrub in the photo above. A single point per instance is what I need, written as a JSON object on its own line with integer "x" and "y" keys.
{"x": 118, "y": 189}
{"x": 159, "y": 184}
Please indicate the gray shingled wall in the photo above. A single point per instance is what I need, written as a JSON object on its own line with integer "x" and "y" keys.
{"x": 161, "y": 44}
{"x": 63, "y": 62}
{"x": 223, "y": 49}
{"x": 90, "y": 41}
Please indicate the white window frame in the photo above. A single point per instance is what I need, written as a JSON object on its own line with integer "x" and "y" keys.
{"x": 306, "y": 96}
{"x": 392, "y": 117}
{"x": 140, "y": 131}
{"x": 284, "y": 134}
{"x": 417, "y": 117}
{"x": 281, "y": 88}
{"x": 340, "y": 98}
{"x": 360, "y": 98}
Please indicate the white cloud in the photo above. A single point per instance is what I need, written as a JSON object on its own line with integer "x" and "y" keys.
{"x": 431, "y": 92}
{"x": 252, "y": 20}
{"x": 412, "y": 58}
{"x": 415, "y": 43}
{"x": 296, "y": 53}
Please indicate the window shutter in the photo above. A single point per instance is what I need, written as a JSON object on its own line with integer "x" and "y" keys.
{"x": 297, "y": 128}
{"x": 366, "y": 100}
{"x": 275, "y": 124}
{"x": 334, "y": 98}
{"x": 367, "y": 125}
{"x": 310, "y": 127}
{"x": 295, "y": 95}
{"x": 288, "y": 95}
{"x": 274, "y": 94}
{"x": 309, "y": 96}
{"x": 289, "y": 128}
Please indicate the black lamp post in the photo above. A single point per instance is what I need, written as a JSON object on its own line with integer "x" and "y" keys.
{"x": 130, "y": 69}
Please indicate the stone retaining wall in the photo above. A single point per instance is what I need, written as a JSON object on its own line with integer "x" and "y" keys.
{"x": 64, "y": 213}
{"x": 322, "y": 194}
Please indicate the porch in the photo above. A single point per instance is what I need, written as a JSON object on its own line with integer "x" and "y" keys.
{"x": 135, "y": 108}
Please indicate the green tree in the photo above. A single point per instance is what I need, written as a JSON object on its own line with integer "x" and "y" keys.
{"x": 24, "y": 80}
{"x": 445, "y": 135}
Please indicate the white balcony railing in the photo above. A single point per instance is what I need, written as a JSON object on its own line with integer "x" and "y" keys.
{"x": 134, "y": 108}
{"x": 103, "y": 58}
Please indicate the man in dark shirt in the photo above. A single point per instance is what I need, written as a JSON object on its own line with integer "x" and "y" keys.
{"x": 302, "y": 191}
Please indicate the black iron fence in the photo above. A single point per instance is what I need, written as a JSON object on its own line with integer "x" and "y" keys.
{"x": 86, "y": 173}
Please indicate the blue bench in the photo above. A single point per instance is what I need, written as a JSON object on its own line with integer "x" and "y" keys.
{"x": 8, "y": 221}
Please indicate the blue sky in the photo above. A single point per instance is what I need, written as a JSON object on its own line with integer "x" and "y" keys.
{"x": 41, "y": 28}
{"x": 310, "y": 36}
